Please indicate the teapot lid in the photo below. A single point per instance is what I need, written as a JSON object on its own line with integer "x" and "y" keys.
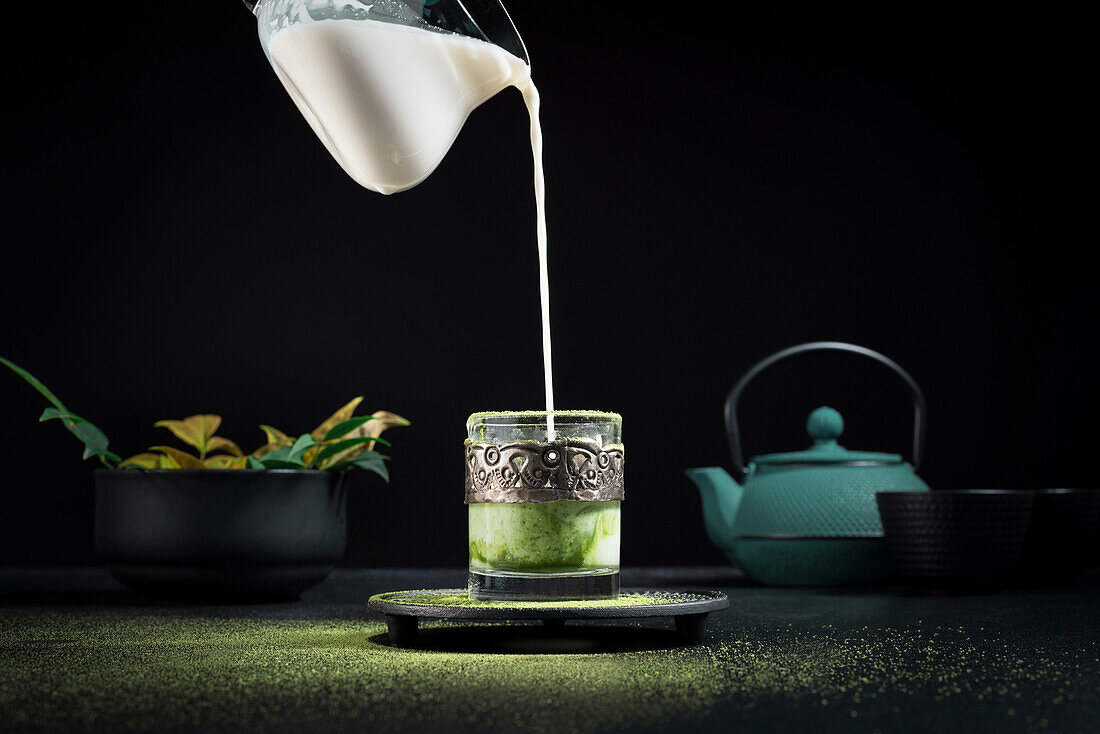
{"x": 825, "y": 426}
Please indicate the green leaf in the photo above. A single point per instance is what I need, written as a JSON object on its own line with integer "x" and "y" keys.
{"x": 95, "y": 442}
{"x": 304, "y": 442}
{"x": 367, "y": 457}
{"x": 276, "y": 464}
{"x": 110, "y": 460}
{"x": 338, "y": 417}
{"x": 275, "y": 439}
{"x": 376, "y": 439}
{"x": 341, "y": 446}
{"x": 378, "y": 467}
{"x": 284, "y": 458}
{"x": 254, "y": 464}
{"x": 347, "y": 427}
{"x": 370, "y": 461}
{"x": 280, "y": 454}
{"x": 45, "y": 391}
{"x": 93, "y": 438}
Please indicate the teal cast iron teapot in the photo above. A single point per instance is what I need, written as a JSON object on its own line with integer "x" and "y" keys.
{"x": 808, "y": 518}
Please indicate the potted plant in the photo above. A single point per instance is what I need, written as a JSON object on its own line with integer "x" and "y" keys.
{"x": 210, "y": 521}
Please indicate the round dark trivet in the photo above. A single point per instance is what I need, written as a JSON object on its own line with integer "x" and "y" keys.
{"x": 405, "y": 609}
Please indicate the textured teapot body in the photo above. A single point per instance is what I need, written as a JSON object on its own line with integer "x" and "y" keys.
{"x": 818, "y": 501}
{"x": 783, "y": 501}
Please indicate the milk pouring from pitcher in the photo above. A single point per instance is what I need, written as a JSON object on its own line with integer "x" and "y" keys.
{"x": 387, "y": 85}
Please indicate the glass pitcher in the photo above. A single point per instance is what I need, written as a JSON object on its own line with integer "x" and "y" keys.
{"x": 387, "y": 84}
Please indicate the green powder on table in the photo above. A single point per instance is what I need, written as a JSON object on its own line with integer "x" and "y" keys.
{"x": 178, "y": 670}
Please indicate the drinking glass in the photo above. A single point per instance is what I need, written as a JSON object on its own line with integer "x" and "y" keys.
{"x": 544, "y": 505}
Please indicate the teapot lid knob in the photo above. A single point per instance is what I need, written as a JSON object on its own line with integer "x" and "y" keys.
{"x": 825, "y": 424}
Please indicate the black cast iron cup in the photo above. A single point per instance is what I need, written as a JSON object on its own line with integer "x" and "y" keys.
{"x": 1061, "y": 536}
{"x": 220, "y": 535}
{"x": 955, "y": 539}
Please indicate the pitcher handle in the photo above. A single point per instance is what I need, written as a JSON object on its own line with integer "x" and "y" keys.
{"x": 920, "y": 410}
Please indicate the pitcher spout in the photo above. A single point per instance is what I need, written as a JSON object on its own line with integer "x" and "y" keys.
{"x": 721, "y": 498}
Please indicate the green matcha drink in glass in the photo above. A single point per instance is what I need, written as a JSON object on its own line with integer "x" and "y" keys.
{"x": 544, "y": 501}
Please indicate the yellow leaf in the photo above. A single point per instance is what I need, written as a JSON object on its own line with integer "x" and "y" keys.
{"x": 195, "y": 430}
{"x": 274, "y": 435}
{"x": 276, "y": 439}
{"x": 146, "y": 461}
{"x": 339, "y": 416}
{"x": 221, "y": 461}
{"x": 182, "y": 458}
{"x": 217, "y": 443}
{"x": 383, "y": 419}
{"x": 380, "y": 421}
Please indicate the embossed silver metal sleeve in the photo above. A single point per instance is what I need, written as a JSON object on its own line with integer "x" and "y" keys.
{"x": 568, "y": 469}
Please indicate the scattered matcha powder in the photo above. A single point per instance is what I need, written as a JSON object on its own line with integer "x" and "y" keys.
{"x": 173, "y": 671}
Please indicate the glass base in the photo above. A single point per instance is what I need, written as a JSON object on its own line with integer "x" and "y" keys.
{"x": 517, "y": 586}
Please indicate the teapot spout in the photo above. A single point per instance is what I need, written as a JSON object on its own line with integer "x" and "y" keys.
{"x": 721, "y": 498}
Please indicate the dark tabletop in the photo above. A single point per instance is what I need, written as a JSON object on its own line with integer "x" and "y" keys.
{"x": 79, "y": 652}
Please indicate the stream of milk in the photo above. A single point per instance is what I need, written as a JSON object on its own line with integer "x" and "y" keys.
{"x": 387, "y": 101}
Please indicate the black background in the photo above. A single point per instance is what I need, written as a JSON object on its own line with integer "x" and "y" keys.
{"x": 722, "y": 182}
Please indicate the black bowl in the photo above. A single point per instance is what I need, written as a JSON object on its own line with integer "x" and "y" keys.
{"x": 957, "y": 538}
{"x": 1061, "y": 537}
{"x": 220, "y": 535}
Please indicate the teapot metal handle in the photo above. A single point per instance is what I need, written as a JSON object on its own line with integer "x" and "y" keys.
{"x": 920, "y": 410}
